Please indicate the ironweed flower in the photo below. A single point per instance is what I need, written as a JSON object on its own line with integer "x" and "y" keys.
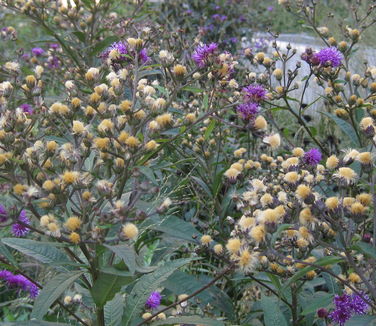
{"x": 254, "y": 93}
{"x": 154, "y": 300}
{"x": 329, "y": 57}
{"x": 19, "y": 281}
{"x": 248, "y": 111}
{"x": 203, "y": 52}
{"x": 20, "y": 230}
{"x": 312, "y": 157}
{"x": 347, "y": 306}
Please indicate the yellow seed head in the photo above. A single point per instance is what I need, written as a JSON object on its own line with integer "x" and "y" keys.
{"x": 75, "y": 238}
{"x": 206, "y": 239}
{"x": 233, "y": 245}
{"x": 130, "y": 231}
{"x": 73, "y": 223}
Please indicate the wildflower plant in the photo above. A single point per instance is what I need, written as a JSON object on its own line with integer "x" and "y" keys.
{"x": 165, "y": 176}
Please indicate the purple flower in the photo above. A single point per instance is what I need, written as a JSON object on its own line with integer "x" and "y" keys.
{"x": 3, "y": 214}
{"x": 219, "y": 18}
{"x": 254, "y": 93}
{"x": 270, "y": 8}
{"x": 329, "y": 57}
{"x": 358, "y": 304}
{"x": 26, "y": 108}
{"x": 37, "y": 51}
{"x": 202, "y": 53}
{"x": 20, "y": 230}
{"x": 53, "y": 62}
{"x": 346, "y": 306}
{"x": 248, "y": 110}
{"x": 19, "y": 281}
{"x": 143, "y": 55}
{"x": 54, "y": 46}
{"x": 154, "y": 300}
{"x": 312, "y": 157}
{"x": 120, "y": 46}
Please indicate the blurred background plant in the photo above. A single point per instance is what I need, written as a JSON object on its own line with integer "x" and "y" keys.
{"x": 162, "y": 161}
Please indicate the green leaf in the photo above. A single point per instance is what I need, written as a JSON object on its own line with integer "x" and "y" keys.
{"x": 113, "y": 311}
{"x": 192, "y": 89}
{"x": 316, "y": 301}
{"x": 176, "y": 228}
{"x": 80, "y": 35}
{"x": 362, "y": 321}
{"x": 44, "y": 252}
{"x": 127, "y": 254}
{"x": 145, "y": 73}
{"x": 100, "y": 46}
{"x": 366, "y": 249}
{"x": 273, "y": 315}
{"x": 6, "y": 253}
{"x": 182, "y": 282}
{"x": 52, "y": 291}
{"x": 191, "y": 320}
{"x": 32, "y": 323}
{"x": 148, "y": 283}
{"x": 203, "y": 185}
{"x": 347, "y": 129}
{"x": 209, "y": 129}
{"x": 328, "y": 260}
{"x": 106, "y": 286}
{"x": 280, "y": 229}
{"x": 148, "y": 172}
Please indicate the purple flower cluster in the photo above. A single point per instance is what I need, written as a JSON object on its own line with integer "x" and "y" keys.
{"x": 219, "y": 18}
{"x": 254, "y": 93}
{"x": 248, "y": 110}
{"x": 37, "y": 51}
{"x": 203, "y": 52}
{"x": 154, "y": 300}
{"x": 19, "y": 281}
{"x": 312, "y": 157}
{"x": 26, "y": 108}
{"x": 122, "y": 48}
{"x": 3, "y": 214}
{"x": 18, "y": 229}
{"x": 347, "y": 306}
{"x": 329, "y": 57}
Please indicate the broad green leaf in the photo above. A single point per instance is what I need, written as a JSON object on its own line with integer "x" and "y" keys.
{"x": 362, "y": 321}
{"x": 329, "y": 260}
{"x": 203, "y": 185}
{"x": 176, "y": 227}
{"x": 127, "y": 254}
{"x": 273, "y": 315}
{"x": 41, "y": 251}
{"x": 106, "y": 286}
{"x": 148, "y": 172}
{"x": 32, "y": 323}
{"x": 316, "y": 301}
{"x": 147, "y": 284}
{"x": 51, "y": 292}
{"x": 7, "y": 254}
{"x": 366, "y": 249}
{"x": 192, "y": 320}
{"x": 100, "y": 46}
{"x": 209, "y": 129}
{"x": 280, "y": 229}
{"x": 181, "y": 282}
{"x": 192, "y": 89}
{"x": 145, "y": 73}
{"x": 113, "y": 310}
{"x": 346, "y": 128}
